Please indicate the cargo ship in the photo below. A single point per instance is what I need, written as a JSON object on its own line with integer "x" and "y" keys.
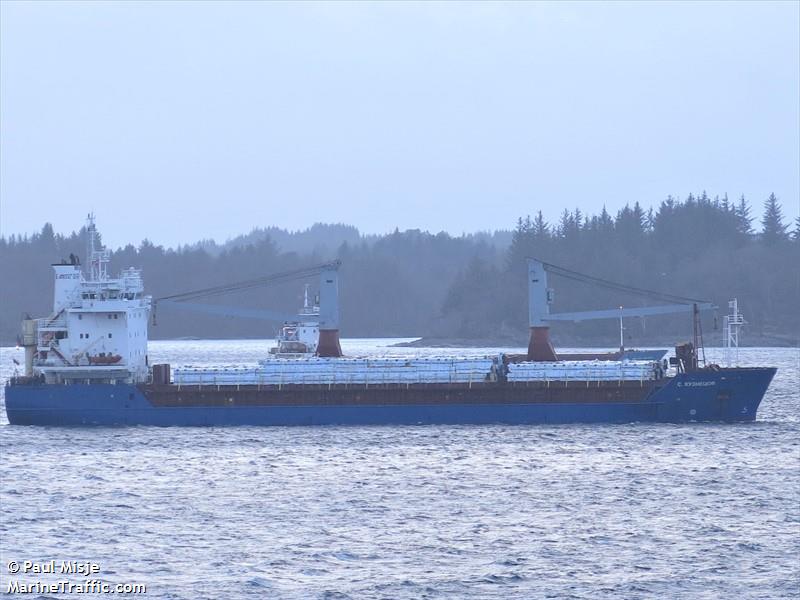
{"x": 87, "y": 364}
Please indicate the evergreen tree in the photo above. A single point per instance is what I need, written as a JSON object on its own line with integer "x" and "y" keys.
{"x": 774, "y": 228}
{"x": 577, "y": 216}
{"x": 744, "y": 222}
{"x": 522, "y": 231}
{"x": 565, "y": 224}
{"x": 638, "y": 214}
{"x": 629, "y": 225}
{"x": 725, "y": 203}
{"x": 541, "y": 230}
{"x": 650, "y": 220}
{"x": 520, "y": 240}
{"x": 47, "y": 238}
{"x": 605, "y": 222}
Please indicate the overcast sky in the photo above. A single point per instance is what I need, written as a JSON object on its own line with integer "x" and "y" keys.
{"x": 180, "y": 121}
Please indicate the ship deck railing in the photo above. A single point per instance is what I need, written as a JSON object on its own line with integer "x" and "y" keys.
{"x": 51, "y": 324}
{"x": 552, "y": 383}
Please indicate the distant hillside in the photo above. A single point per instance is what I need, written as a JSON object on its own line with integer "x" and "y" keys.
{"x": 416, "y": 283}
{"x": 325, "y": 239}
{"x": 321, "y": 238}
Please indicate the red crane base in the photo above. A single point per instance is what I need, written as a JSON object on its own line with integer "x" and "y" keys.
{"x": 329, "y": 346}
{"x": 539, "y": 347}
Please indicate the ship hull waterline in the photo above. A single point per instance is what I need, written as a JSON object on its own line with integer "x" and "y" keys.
{"x": 727, "y": 395}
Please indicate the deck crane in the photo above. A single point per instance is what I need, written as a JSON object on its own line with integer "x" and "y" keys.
{"x": 540, "y": 296}
{"x": 328, "y": 346}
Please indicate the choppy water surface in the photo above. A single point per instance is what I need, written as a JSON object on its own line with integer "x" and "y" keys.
{"x": 630, "y": 511}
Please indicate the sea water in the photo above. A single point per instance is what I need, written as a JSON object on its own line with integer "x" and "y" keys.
{"x": 572, "y": 511}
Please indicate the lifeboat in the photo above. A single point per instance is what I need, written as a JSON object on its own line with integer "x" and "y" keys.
{"x": 104, "y": 359}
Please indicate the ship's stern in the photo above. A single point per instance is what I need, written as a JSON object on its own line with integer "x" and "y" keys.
{"x": 35, "y": 403}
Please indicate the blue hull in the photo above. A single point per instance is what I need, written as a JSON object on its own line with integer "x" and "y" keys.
{"x": 729, "y": 395}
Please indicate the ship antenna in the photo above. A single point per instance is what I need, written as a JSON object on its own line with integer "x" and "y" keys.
{"x": 90, "y": 245}
{"x": 731, "y": 325}
{"x": 96, "y": 254}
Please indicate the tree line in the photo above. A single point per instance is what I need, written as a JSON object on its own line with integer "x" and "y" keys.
{"x": 416, "y": 283}
{"x": 700, "y": 248}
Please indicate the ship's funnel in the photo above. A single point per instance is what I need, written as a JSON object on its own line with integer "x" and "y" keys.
{"x": 68, "y": 280}
{"x": 539, "y": 297}
{"x": 329, "y": 345}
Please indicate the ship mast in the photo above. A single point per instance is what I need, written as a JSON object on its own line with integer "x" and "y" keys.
{"x": 96, "y": 254}
{"x": 731, "y": 324}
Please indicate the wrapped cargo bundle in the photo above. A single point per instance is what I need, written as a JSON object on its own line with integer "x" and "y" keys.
{"x": 582, "y": 371}
{"x": 215, "y": 376}
{"x": 332, "y": 371}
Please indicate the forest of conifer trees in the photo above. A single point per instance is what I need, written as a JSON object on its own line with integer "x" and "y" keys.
{"x": 470, "y": 287}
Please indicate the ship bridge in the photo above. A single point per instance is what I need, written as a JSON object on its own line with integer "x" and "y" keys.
{"x": 98, "y": 327}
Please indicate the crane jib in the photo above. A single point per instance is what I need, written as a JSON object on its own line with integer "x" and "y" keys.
{"x": 616, "y": 313}
{"x": 182, "y": 299}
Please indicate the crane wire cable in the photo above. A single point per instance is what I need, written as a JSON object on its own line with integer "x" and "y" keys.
{"x": 583, "y": 278}
{"x": 251, "y": 283}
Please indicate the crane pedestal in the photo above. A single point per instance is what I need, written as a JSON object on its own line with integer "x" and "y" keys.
{"x": 329, "y": 346}
{"x": 540, "y": 348}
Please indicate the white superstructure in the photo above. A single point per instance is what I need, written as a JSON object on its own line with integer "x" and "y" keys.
{"x": 98, "y": 328}
{"x": 300, "y": 338}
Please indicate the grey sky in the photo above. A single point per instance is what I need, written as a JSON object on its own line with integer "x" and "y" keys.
{"x": 179, "y": 121}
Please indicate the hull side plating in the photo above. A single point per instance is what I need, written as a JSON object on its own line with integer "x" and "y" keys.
{"x": 728, "y": 395}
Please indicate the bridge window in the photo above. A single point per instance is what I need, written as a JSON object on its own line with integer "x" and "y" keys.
{"x": 109, "y": 335}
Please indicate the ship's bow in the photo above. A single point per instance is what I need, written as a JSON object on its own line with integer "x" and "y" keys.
{"x": 742, "y": 390}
